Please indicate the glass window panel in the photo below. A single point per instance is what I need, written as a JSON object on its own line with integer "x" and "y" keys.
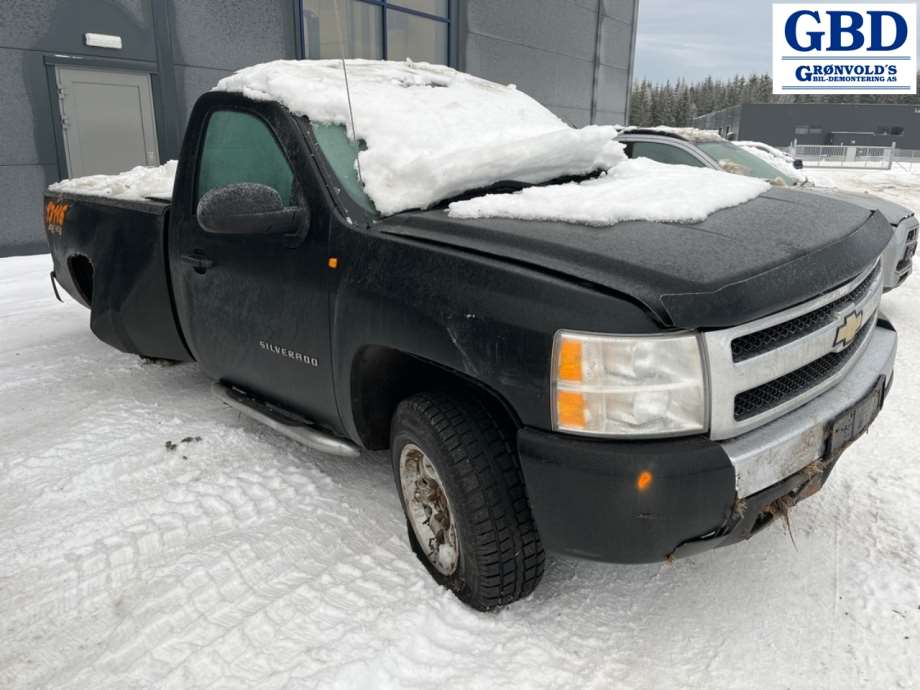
{"x": 239, "y": 147}
{"x": 436, "y": 7}
{"x": 362, "y": 29}
{"x": 663, "y": 153}
{"x": 410, "y": 36}
{"x": 341, "y": 153}
{"x": 736, "y": 160}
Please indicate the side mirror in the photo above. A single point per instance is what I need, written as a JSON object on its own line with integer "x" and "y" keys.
{"x": 798, "y": 164}
{"x": 250, "y": 209}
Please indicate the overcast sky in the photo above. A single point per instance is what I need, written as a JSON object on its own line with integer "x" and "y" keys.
{"x": 696, "y": 38}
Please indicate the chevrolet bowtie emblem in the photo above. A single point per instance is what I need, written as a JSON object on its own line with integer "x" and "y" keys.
{"x": 848, "y": 330}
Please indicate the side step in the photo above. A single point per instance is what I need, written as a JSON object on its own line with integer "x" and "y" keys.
{"x": 285, "y": 423}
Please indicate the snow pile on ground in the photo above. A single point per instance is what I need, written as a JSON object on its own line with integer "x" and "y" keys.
{"x": 135, "y": 184}
{"x": 153, "y": 538}
{"x": 640, "y": 189}
{"x": 777, "y": 160}
{"x": 688, "y": 133}
{"x": 431, "y": 132}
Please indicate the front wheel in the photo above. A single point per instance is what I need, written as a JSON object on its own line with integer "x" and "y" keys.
{"x": 463, "y": 493}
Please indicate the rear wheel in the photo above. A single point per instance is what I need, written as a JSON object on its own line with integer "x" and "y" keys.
{"x": 463, "y": 493}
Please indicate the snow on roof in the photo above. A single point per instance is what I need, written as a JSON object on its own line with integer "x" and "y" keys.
{"x": 688, "y": 133}
{"x": 772, "y": 150}
{"x": 135, "y": 184}
{"x": 430, "y": 132}
{"x": 639, "y": 189}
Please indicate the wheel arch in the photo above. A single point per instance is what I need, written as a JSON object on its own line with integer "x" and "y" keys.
{"x": 82, "y": 274}
{"x": 382, "y": 377}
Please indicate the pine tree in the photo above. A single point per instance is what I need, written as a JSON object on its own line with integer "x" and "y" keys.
{"x": 679, "y": 103}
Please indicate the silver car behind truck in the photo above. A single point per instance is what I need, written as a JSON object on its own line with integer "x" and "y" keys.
{"x": 687, "y": 146}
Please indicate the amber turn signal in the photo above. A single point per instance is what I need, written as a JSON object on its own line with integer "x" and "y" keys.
{"x": 570, "y": 409}
{"x": 644, "y": 481}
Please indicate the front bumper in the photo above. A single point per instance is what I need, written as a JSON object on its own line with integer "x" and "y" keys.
{"x": 698, "y": 494}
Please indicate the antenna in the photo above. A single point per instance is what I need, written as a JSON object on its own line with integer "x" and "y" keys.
{"x": 351, "y": 112}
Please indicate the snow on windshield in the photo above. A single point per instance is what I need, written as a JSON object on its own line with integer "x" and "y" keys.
{"x": 640, "y": 189}
{"x": 430, "y": 132}
{"x": 137, "y": 183}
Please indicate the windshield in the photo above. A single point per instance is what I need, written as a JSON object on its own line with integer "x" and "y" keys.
{"x": 736, "y": 160}
{"x": 431, "y": 132}
{"x": 342, "y": 155}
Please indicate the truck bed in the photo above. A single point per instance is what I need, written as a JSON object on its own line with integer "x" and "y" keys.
{"x": 126, "y": 242}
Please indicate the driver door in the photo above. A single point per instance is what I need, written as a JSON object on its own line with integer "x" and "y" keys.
{"x": 254, "y": 306}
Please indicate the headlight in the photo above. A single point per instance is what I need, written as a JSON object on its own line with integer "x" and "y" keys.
{"x": 628, "y": 386}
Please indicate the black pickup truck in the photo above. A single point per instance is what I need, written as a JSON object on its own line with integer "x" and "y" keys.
{"x": 625, "y": 394}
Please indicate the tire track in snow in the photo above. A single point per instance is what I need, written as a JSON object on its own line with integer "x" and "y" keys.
{"x": 252, "y": 562}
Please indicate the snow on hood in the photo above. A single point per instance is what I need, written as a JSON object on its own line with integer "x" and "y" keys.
{"x": 137, "y": 183}
{"x": 430, "y": 132}
{"x": 640, "y": 189}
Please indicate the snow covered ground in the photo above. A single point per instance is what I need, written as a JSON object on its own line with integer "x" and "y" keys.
{"x": 897, "y": 184}
{"x": 149, "y": 536}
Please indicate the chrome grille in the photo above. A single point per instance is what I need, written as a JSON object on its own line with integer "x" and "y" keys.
{"x": 748, "y": 346}
{"x": 910, "y": 247}
{"x": 752, "y": 402}
{"x": 763, "y": 369}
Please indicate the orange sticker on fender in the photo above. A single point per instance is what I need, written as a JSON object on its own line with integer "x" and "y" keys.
{"x": 55, "y": 213}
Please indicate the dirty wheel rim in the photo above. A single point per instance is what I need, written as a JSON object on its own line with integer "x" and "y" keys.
{"x": 428, "y": 509}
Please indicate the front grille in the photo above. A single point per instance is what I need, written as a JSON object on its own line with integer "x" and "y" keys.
{"x": 754, "y": 379}
{"x": 908, "y": 257}
{"x": 753, "y": 402}
{"x": 757, "y": 343}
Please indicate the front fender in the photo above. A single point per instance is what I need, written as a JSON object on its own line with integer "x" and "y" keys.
{"x": 489, "y": 320}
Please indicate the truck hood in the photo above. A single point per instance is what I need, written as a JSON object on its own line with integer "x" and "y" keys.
{"x": 741, "y": 263}
{"x": 893, "y": 212}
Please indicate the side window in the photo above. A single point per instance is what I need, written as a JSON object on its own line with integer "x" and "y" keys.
{"x": 663, "y": 153}
{"x": 239, "y": 147}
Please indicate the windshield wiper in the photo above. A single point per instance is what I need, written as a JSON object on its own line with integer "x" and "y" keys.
{"x": 500, "y": 187}
{"x": 510, "y": 186}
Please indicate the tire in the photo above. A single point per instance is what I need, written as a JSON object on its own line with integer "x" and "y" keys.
{"x": 495, "y": 556}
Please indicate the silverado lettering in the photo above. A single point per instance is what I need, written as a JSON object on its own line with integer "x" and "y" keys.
{"x": 290, "y": 354}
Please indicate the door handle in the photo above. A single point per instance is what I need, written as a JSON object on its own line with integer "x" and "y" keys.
{"x": 199, "y": 262}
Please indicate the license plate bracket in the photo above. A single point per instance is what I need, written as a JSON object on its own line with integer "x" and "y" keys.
{"x": 854, "y": 422}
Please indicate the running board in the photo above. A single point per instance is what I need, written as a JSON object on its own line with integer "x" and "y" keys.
{"x": 285, "y": 423}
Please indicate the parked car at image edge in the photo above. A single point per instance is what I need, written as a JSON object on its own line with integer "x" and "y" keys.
{"x": 625, "y": 394}
{"x": 688, "y": 146}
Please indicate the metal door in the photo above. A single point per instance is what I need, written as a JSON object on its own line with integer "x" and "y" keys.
{"x": 107, "y": 120}
{"x": 254, "y": 308}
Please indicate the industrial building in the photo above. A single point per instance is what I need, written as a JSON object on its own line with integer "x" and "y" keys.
{"x": 827, "y": 124}
{"x": 99, "y": 86}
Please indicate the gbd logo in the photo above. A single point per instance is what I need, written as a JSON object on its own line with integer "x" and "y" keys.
{"x": 846, "y": 30}
{"x": 844, "y": 48}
